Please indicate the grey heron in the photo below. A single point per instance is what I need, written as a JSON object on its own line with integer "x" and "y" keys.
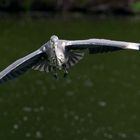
{"x": 59, "y": 54}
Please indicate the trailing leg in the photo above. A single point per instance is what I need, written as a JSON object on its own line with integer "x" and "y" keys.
{"x": 65, "y": 71}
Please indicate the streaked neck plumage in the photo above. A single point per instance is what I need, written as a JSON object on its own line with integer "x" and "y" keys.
{"x": 57, "y": 52}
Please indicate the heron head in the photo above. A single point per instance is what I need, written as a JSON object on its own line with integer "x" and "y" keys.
{"x": 54, "y": 39}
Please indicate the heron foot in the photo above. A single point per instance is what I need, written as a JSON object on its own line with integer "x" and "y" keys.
{"x": 55, "y": 76}
{"x": 66, "y": 74}
{"x": 65, "y": 70}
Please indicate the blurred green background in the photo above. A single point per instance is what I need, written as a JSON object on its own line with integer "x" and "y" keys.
{"x": 99, "y": 100}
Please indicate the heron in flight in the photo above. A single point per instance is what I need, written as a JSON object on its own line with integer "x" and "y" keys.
{"x": 59, "y": 54}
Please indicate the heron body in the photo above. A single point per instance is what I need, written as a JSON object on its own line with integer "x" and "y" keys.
{"x": 56, "y": 55}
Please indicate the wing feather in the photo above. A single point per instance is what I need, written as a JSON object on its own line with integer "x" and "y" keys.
{"x": 73, "y": 58}
{"x": 20, "y": 66}
{"x": 101, "y": 45}
{"x": 103, "y": 49}
{"x": 42, "y": 65}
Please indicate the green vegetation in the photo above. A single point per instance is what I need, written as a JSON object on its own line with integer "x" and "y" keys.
{"x": 136, "y": 6}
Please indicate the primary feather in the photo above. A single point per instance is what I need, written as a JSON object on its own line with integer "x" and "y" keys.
{"x": 20, "y": 66}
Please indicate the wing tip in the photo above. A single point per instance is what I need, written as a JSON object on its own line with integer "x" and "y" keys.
{"x": 133, "y": 46}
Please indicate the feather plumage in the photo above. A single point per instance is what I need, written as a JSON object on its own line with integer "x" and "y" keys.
{"x": 20, "y": 66}
{"x": 73, "y": 58}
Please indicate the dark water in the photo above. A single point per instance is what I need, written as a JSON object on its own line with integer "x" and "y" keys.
{"x": 100, "y": 99}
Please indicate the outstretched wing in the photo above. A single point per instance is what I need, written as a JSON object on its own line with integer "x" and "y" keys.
{"x": 20, "y": 66}
{"x": 101, "y": 45}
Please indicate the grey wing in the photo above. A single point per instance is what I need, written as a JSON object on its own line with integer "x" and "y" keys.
{"x": 101, "y": 45}
{"x": 20, "y": 66}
